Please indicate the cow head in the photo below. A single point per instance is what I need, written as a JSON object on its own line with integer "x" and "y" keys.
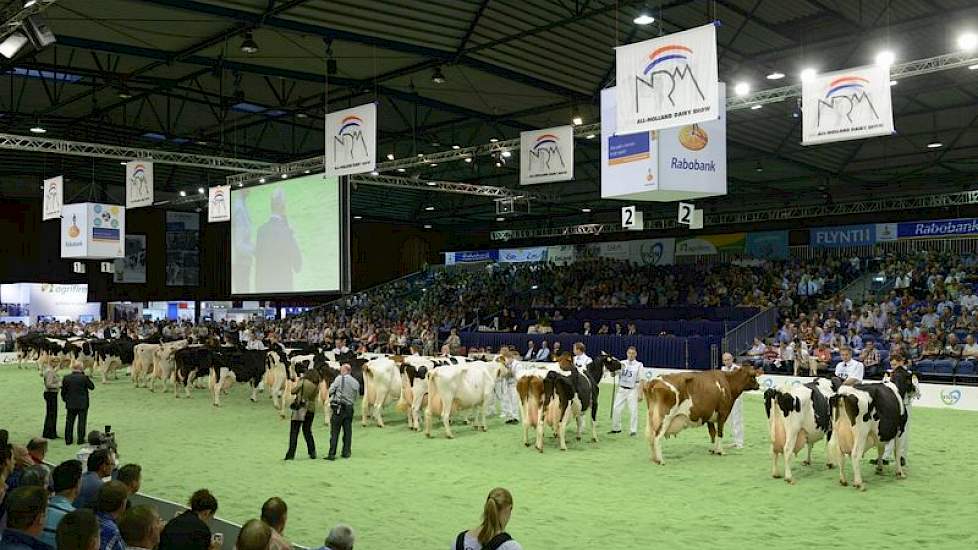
{"x": 904, "y": 380}
{"x": 608, "y": 361}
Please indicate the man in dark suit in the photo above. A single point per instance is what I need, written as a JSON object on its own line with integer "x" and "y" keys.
{"x": 74, "y": 392}
{"x": 277, "y": 254}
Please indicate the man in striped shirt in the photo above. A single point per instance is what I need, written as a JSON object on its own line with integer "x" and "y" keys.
{"x": 66, "y": 482}
{"x": 109, "y": 507}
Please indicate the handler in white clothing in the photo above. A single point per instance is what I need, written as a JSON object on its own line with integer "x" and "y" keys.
{"x": 736, "y": 418}
{"x": 631, "y": 374}
{"x": 580, "y": 358}
{"x": 849, "y": 370}
{"x": 505, "y": 389}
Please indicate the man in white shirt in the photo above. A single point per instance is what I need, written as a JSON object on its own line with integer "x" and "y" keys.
{"x": 928, "y": 320}
{"x": 505, "y": 388}
{"x": 543, "y": 354}
{"x": 530, "y": 352}
{"x": 736, "y": 418}
{"x": 849, "y": 370}
{"x": 580, "y": 358}
{"x": 969, "y": 301}
{"x": 631, "y": 374}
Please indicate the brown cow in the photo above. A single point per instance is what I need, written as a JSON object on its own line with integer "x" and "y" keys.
{"x": 688, "y": 399}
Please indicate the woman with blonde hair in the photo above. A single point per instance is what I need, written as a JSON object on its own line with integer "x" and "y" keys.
{"x": 491, "y": 533}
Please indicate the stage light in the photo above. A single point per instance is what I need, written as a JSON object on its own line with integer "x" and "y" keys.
{"x": 589, "y": 136}
{"x": 390, "y": 156}
{"x": 434, "y": 164}
{"x": 973, "y": 67}
{"x": 493, "y": 140}
{"x": 357, "y": 217}
{"x": 500, "y": 219}
{"x": 200, "y": 190}
{"x": 374, "y": 173}
{"x": 644, "y": 18}
{"x": 935, "y": 144}
{"x": 248, "y": 45}
{"x": 755, "y": 107}
{"x": 807, "y": 74}
{"x": 468, "y": 159}
{"x": 775, "y": 76}
{"x": 427, "y": 226}
{"x": 893, "y": 83}
{"x": 38, "y": 129}
{"x": 885, "y": 58}
{"x": 12, "y": 44}
{"x": 968, "y": 41}
{"x": 432, "y": 184}
{"x": 401, "y": 170}
{"x": 507, "y": 154}
{"x": 586, "y": 210}
{"x": 577, "y": 120}
{"x": 183, "y": 193}
{"x": 456, "y": 147}
{"x": 284, "y": 176}
{"x": 308, "y": 171}
{"x": 742, "y": 88}
{"x": 429, "y": 208}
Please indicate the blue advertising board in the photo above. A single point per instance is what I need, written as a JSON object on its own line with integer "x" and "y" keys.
{"x": 937, "y": 228}
{"x": 470, "y": 256}
{"x": 772, "y": 245}
{"x": 843, "y": 235}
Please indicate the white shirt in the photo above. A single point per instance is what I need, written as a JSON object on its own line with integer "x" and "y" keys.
{"x": 582, "y": 360}
{"x": 630, "y": 375}
{"x": 543, "y": 354}
{"x": 849, "y": 369}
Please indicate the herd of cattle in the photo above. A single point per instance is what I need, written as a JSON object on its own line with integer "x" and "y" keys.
{"x": 851, "y": 419}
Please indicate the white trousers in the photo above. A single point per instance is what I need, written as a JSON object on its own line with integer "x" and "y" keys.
{"x": 505, "y": 394}
{"x": 905, "y": 449}
{"x": 623, "y": 397}
{"x": 736, "y": 421}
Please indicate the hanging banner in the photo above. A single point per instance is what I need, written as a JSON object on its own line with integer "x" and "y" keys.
{"x": 351, "y": 140}
{"x": 668, "y": 81}
{"x": 886, "y": 232}
{"x": 848, "y": 104}
{"x": 628, "y": 161}
{"x": 219, "y": 204}
{"x": 93, "y": 231}
{"x": 707, "y": 245}
{"x": 547, "y": 155}
{"x": 770, "y": 245}
{"x": 132, "y": 268}
{"x": 53, "y": 198}
{"x": 139, "y": 184}
{"x": 522, "y": 255}
{"x": 471, "y": 256}
{"x": 843, "y": 235}
{"x": 937, "y": 228}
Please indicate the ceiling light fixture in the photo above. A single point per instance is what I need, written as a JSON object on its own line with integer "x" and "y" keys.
{"x": 507, "y": 154}
{"x": 390, "y": 156}
{"x": 437, "y": 76}
{"x": 577, "y": 120}
{"x": 586, "y": 210}
{"x": 284, "y": 176}
{"x": 807, "y": 74}
{"x": 240, "y": 185}
{"x": 493, "y": 140}
{"x": 357, "y": 217}
{"x": 935, "y": 143}
{"x": 12, "y": 44}
{"x": 38, "y": 129}
{"x": 499, "y": 164}
{"x": 308, "y": 171}
{"x": 893, "y": 83}
{"x": 775, "y": 76}
{"x": 434, "y": 164}
{"x": 756, "y": 107}
{"x": 973, "y": 67}
{"x": 374, "y": 173}
{"x": 643, "y": 18}
{"x": 261, "y": 180}
{"x": 432, "y": 184}
{"x": 589, "y": 136}
{"x": 429, "y": 208}
{"x": 427, "y": 226}
{"x": 200, "y": 190}
{"x": 968, "y": 41}
{"x": 456, "y": 147}
{"x": 248, "y": 45}
{"x": 468, "y": 159}
{"x": 885, "y": 58}
{"x": 183, "y": 193}
{"x": 500, "y": 219}
{"x": 742, "y": 89}
{"x": 400, "y": 170}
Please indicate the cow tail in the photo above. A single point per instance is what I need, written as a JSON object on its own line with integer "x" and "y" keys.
{"x": 434, "y": 399}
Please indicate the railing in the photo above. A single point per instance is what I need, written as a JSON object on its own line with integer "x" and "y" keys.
{"x": 742, "y": 336}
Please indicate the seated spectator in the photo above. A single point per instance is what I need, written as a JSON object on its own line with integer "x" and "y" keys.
{"x": 454, "y": 341}
{"x": 772, "y": 355}
{"x": 275, "y": 514}
{"x": 556, "y": 351}
{"x": 65, "y": 482}
{"x": 340, "y": 537}
{"x": 632, "y": 329}
{"x": 255, "y": 534}
{"x": 604, "y": 329}
{"x": 932, "y": 347}
{"x": 141, "y": 527}
{"x": 26, "y": 510}
{"x": 823, "y": 357}
{"x": 110, "y": 504}
{"x": 37, "y": 448}
{"x": 970, "y": 350}
{"x": 36, "y": 476}
{"x": 543, "y": 354}
{"x": 131, "y": 475}
{"x": 78, "y": 530}
{"x": 870, "y": 357}
{"x": 100, "y": 466}
{"x": 787, "y": 361}
{"x": 531, "y": 353}
{"x": 757, "y": 350}
{"x": 491, "y": 532}
{"x": 619, "y": 331}
{"x": 189, "y": 530}
{"x": 854, "y": 340}
{"x": 952, "y": 348}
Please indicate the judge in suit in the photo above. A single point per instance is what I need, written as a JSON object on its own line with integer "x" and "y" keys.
{"x": 74, "y": 392}
{"x": 277, "y": 254}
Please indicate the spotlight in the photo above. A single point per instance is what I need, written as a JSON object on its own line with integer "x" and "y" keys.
{"x": 200, "y": 190}
{"x": 434, "y": 164}
{"x": 390, "y": 156}
{"x": 500, "y": 219}
{"x": 400, "y": 170}
{"x": 493, "y": 140}
{"x": 122, "y": 162}
{"x": 432, "y": 184}
{"x": 308, "y": 171}
{"x": 893, "y": 83}
{"x": 499, "y": 164}
{"x": 586, "y": 210}
{"x": 885, "y": 58}
{"x": 38, "y": 129}
{"x": 968, "y": 41}
{"x": 456, "y": 147}
{"x": 437, "y": 76}
{"x": 507, "y": 154}
{"x": 374, "y": 173}
{"x": 577, "y": 120}
{"x": 12, "y": 44}
{"x": 261, "y": 180}
{"x": 429, "y": 208}
{"x": 427, "y": 226}
{"x": 357, "y": 217}
{"x": 935, "y": 143}
{"x": 589, "y": 136}
{"x": 643, "y": 19}
{"x": 124, "y": 92}
{"x": 183, "y": 193}
{"x": 758, "y": 167}
{"x": 775, "y": 76}
{"x": 807, "y": 74}
{"x": 755, "y": 107}
{"x": 973, "y": 67}
{"x": 240, "y": 185}
{"x": 468, "y": 159}
{"x": 742, "y": 88}
{"x": 301, "y": 115}
{"x": 248, "y": 45}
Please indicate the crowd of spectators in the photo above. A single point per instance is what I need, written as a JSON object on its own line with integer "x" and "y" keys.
{"x": 76, "y": 506}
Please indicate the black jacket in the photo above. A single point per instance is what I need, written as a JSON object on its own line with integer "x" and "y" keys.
{"x": 185, "y": 532}
{"x": 74, "y": 390}
{"x": 277, "y": 257}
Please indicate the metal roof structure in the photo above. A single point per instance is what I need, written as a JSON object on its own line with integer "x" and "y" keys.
{"x": 171, "y": 75}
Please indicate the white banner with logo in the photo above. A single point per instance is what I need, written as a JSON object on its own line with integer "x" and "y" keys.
{"x": 629, "y": 161}
{"x": 520, "y": 255}
{"x": 219, "y": 204}
{"x": 653, "y": 251}
{"x": 53, "y": 198}
{"x": 351, "y": 140}
{"x": 93, "y": 231}
{"x": 693, "y": 158}
{"x": 139, "y": 184}
{"x": 62, "y": 302}
{"x": 547, "y": 155}
{"x": 668, "y": 81}
{"x": 848, "y": 104}
{"x": 886, "y": 232}
{"x": 563, "y": 254}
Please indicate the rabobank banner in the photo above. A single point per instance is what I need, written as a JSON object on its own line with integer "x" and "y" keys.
{"x": 693, "y": 158}
{"x": 843, "y": 235}
{"x": 521, "y": 255}
{"x": 471, "y": 256}
{"x": 937, "y": 228}
{"x": 771, "y": 245}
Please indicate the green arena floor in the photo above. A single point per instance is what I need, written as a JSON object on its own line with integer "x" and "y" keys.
{"x": 401, "y": 490}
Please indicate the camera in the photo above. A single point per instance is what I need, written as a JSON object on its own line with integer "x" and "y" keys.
{"x": 107, "y": 441}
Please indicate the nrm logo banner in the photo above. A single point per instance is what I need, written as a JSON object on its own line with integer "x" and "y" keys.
{"x": 668, "y": 65}
{"x": 846, "y": 99}
{"x": 349, "y": 140}
{"x": 545, "y": 155}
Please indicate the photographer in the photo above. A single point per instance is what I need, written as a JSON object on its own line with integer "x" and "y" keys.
{"x": 342, "y": 394}
{"x": 99, "y": 440}
{"x": 303, "y": 413}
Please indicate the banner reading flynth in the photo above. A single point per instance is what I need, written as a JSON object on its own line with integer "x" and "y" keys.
{"x": 139, "y": 184}
{"x": 219, "y": 204}
{"x": 351, "y": 140}
{"x": 668, "y": 81}
{"x": 547, "y": 155}
{"x": 849, "y": 104}
{"x": 53, "y": 199}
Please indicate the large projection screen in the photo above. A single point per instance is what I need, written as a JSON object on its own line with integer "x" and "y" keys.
{"x": 290, "y": 237}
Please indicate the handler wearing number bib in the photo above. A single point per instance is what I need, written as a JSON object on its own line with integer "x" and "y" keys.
{"x": 631, "y": 374}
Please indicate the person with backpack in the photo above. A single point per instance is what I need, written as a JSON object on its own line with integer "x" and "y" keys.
{"x": 491, "y": 533}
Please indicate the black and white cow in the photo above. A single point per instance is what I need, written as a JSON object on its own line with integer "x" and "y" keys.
{"x": 192, "y": 362}
{"x": 867, "y": 415}
{"x": 575, "y": 393}
{"x": 112, "y": 355}
{"x": 797, "y": 417}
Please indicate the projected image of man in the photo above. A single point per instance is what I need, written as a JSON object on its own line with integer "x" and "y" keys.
{"x": 244, "y": 249}
{"x": 277, "y": 254}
